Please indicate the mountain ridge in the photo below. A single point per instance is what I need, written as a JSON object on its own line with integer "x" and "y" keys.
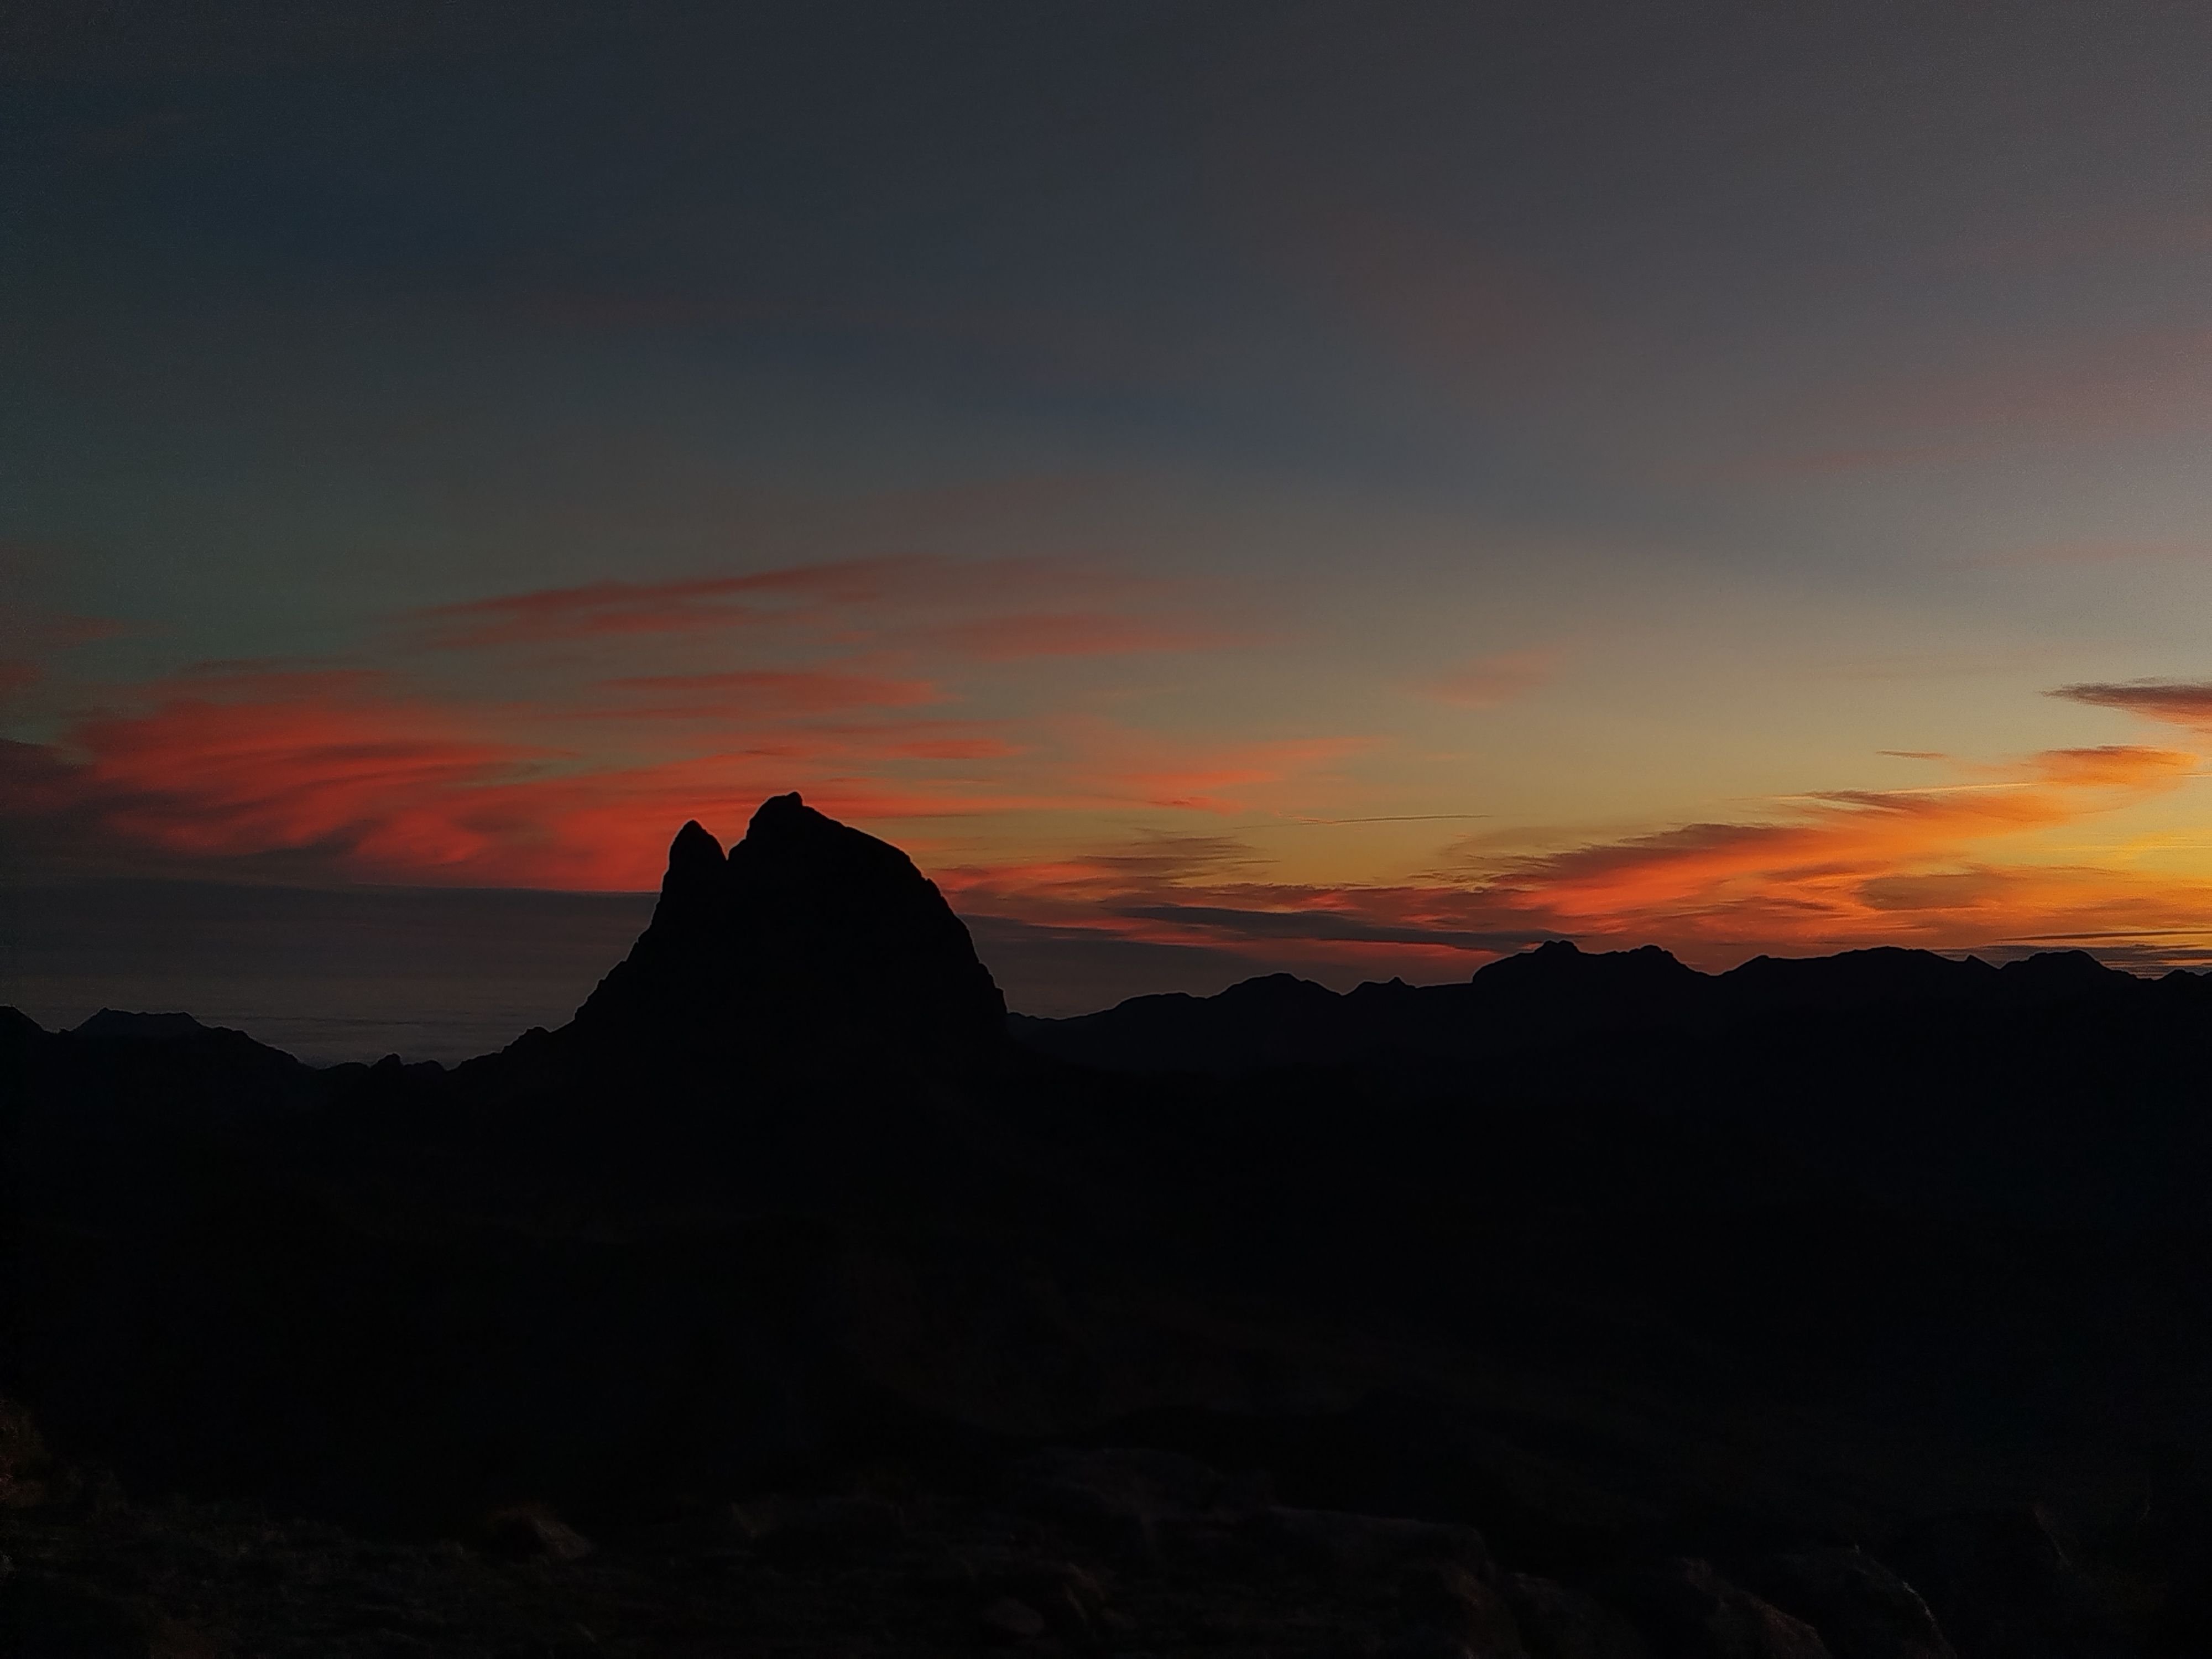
{"x": 1552, "y": 991}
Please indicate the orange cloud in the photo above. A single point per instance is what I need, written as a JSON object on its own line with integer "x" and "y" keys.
{"x": 1219, "y": 778}
{"x": 1842, "y": 868}
{"x": 1805, "y": 879}
{"x": 1486, "y": 681}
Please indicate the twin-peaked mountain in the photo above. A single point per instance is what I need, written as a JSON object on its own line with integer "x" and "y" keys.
{"x": 811, "y": 942}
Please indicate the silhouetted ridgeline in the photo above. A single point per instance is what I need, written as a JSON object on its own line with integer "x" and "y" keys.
{"x": 1557, "y": 992}
{"x": 2052, "y": 1087}
{"x": 1859, "y": 1306}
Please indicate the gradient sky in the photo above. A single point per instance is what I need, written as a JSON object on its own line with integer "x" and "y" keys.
{"x": 1353, "y": 488}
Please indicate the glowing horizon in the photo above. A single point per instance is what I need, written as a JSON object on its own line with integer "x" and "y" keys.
{"x": 870, "y": 689}
{"x": 1347, "y": 498}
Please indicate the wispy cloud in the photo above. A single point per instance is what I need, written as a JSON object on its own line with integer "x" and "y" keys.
{"x": 1323, "y": 925}
{"x": 1067, "y": 634}
{"x": 32, "y": 637}
{"x": 1812, "y": 865}
{"x": 995, "y": 609}
{"x": 1213, "y": 777}
{"x": 357, "y": 774}
{"x": 1486, "y": 681}
{"x": 2182, "y": 703}
{"x": 556, "y": 736}
{"x": 451, "y": 764}
{"x": 2064, "y": 390}
{"x": 598, "y": 609}
{"x": 351, "y": 774}
{"x": 1950, "y": 866}
{"x": 754, "y": 692}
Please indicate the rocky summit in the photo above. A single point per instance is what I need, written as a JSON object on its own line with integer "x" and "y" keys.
{"x": 794, "y": 1300}
{"x": 812, "y": 943}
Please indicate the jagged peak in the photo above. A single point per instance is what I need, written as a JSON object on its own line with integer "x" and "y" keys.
{"x": 695, "y": 847}
{"x": 696, "y": 864}
{"x": 789, "y": 841}
{"x": 785, "y": 813}
{"x": 809, "y": 930}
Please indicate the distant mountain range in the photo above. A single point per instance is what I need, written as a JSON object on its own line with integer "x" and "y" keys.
{"x": 1558, "y": 992}
{"x": 1858, "y": 1305}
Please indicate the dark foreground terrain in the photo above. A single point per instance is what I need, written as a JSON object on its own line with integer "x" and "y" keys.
{"x": 792, "y": 1299}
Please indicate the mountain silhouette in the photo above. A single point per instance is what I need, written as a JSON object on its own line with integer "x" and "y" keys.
{"x": 116, "y": 1023}
{"x": 1558, "y": 990}
{"x": 810, "y": 942}
{"x": 1859, "y": 1305}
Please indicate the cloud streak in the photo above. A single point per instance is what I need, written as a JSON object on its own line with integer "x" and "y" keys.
{"x": 598, "y": 610}
{"x": 1067, "y": 634}
{"x": 988, "y": 609}
{"x": 2097, "y": 387}
{"x": 346, "y": 776}
{"x": 2180, "y": 702}
{"x": 1950, "y": 867}
{"x": 1486, "y": 681}
{"x": 355, "y": 775}
{"x": 757, "y": 692}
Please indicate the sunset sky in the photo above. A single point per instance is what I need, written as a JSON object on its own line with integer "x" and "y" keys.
{"x": 1356, "y": 488}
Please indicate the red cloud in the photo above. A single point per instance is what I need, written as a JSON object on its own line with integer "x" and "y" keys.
{"x": 372, "y": 786}
{"x": 340, "y": 772}
{"x": 307, "y": 763}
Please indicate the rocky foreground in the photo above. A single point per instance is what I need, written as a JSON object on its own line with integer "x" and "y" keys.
{"x": 1104, "y": 1551}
